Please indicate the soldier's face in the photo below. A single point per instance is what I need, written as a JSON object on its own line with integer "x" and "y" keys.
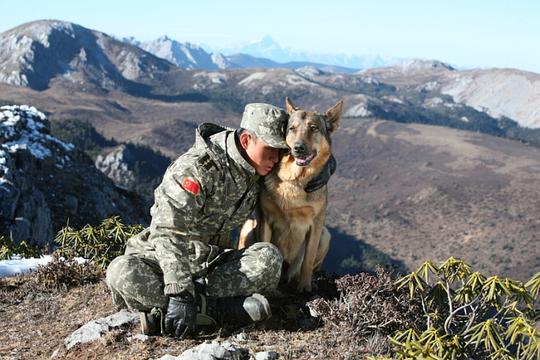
{"x": 261, "y": 156}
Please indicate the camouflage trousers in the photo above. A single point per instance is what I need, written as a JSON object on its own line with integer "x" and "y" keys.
{"x": 137, "y": 282}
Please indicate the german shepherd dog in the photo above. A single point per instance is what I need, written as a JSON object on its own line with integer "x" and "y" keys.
{"x": 288, "y": 216}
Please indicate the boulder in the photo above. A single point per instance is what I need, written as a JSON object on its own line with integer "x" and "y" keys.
{"x": 97, "y": 328}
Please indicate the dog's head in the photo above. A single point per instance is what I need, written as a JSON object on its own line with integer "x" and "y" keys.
{"x": 308, "y": 133}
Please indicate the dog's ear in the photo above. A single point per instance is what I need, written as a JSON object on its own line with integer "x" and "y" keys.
{"x": 333, "y": 116}
{"x": 290, "y": 106}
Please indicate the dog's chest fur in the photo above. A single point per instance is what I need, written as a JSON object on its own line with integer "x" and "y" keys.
{"x": 290, "y": 211}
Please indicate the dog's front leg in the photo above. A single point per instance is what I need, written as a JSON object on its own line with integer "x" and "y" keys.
{"x": 312, "y": 246}
{"x": 264, "y": 230}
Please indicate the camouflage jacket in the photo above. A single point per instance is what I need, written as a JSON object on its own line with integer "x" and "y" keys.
{"x": 205, "y": 193}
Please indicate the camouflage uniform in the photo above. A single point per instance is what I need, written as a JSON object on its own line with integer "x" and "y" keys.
{"x": 205, "y": 193}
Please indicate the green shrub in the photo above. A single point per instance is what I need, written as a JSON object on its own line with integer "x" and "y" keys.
{"x": 469, "y": 316}
{"x": 100, "y": 244}
{"x": 8, "y": 248}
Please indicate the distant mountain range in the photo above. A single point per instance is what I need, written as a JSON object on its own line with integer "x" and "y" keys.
{"x": 270, "y": 49}
{"x": 41, "y": 54}
{"x": 191, "y": 56}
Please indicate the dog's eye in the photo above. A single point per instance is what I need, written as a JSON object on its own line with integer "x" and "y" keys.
{"x": 313, "y": 128}
{"x": 291, "y": 128}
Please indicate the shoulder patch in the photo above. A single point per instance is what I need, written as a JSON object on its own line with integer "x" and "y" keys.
{"x": 206, "y": 162}
{"x": 191, "y": 185}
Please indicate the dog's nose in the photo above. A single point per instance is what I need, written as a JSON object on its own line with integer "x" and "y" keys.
{"x": 299, "y": 148}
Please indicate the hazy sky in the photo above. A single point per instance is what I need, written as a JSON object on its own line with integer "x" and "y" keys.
{"x": 464, "y": 33}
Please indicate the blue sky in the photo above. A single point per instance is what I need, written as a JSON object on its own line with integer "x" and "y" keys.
{"x": 482, "y": 33}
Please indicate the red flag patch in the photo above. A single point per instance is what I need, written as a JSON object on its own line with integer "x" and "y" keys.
{"x": 191, "y": 186}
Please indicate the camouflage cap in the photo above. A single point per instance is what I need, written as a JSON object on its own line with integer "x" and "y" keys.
{"x": 267, "y": 122}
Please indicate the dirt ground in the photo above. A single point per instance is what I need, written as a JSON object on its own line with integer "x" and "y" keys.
{"x": 34, "y": 324}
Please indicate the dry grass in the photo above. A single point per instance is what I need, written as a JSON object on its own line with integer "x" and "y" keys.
{"x": 34, "y": 321}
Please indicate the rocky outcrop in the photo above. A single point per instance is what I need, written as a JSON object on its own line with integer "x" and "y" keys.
{"x": 134, "y": 167}
{"x": 117, "y": 165}
{"x": 46, "y": 183}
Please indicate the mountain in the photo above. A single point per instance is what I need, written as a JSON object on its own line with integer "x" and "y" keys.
{"x": 270, "y": 49}
{"x": 35, "y": 53}
{"x": 501, "y": 93}
{"x": 184, "y": 55}
{"x": 46, "y": 183}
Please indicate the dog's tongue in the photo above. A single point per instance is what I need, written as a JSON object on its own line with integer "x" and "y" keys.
{"x": 304, "y": 161}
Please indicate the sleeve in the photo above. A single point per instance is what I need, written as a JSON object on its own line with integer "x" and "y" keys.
{"x": 179, "y": 201}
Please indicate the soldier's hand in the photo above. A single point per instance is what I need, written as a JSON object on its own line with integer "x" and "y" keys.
{"x": 322, "y": 177}
{"x": 180, "y": 320}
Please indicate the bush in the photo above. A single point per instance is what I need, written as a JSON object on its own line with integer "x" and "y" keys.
{"x": 469, "y": 316}
{"x": 368, "y": 309}
{"x": 8, "y": 248}
{"x": 100, "y": 244}
{"x": 62, "y": 274}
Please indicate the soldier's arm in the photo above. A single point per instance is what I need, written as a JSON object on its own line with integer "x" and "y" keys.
{"x": 178, "y": 206}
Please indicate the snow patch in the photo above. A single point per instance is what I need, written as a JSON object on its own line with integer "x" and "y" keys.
{"x": 24, "y": 128}
{"x": 309, "y": 71}
{"x": 18, "y": 265}
{"x": 433, "y": 102}
{"x": 393, "y": 99}
{"x": 360, "y": 109}
{"x": 214, "y": 77}
{"x": 255, "y": 77}
{"x": 296, "y": 80}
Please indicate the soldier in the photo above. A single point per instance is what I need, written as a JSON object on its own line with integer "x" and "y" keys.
{"x": 182, "y": 271}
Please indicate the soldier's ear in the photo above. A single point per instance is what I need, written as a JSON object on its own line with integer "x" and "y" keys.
{"x": 245, "y": 138}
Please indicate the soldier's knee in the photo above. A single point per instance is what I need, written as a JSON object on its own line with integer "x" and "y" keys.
{"x": 120, "y": 270}
{"x": 269, "y": 254}
{"x": 269, "y": 262}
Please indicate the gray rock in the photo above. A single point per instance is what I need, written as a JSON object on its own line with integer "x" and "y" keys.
{"x": 116, "y": 165}
{"x": 169, "y": 357}
{"x": 266, "y": 355}
{"x": 97, "y": 328}
{"x": 242, "y": 336}
{"x": 212, "y": 351}
{"x": 140, "y": 337}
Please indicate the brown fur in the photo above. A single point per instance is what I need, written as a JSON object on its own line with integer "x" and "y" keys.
{"x": 287, "y": 216}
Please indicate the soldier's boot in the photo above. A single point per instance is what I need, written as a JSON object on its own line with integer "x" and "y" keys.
{"x": 239, "y": 310}
{"x": 152, "y": 322}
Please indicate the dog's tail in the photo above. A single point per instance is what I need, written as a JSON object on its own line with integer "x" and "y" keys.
{"x": 247, "y": 234}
